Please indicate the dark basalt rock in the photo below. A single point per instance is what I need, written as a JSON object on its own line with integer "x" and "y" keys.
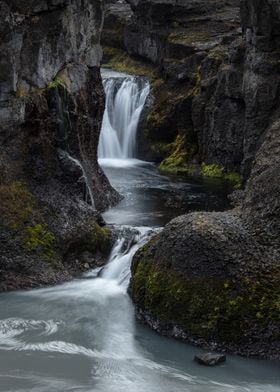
{"x": 210, "y": 359}
{"x": 51, "y": 106}
{"x": 213, "y": 279}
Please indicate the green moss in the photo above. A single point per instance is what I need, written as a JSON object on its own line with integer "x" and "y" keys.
{"x": 212, "y": 170}
{"x": 187, "y": 38}
{"x": 219, "y": 53}
{"x": 176, "y": 162}
{"x": 208, "y": 307}
{"x": 16, "y": 204}
{"x": 101, "y": 238}
{"x": 39, "y": 239}
{"x": 56, "y": 82}
{"x": 97, "y": 239}
{"x": 19, "y": 213}
{"x": 162, "y": 148}
{"x": 197, "y": 77}
{"x": 121, "y": 62}
{"x": 235, "y": 178}
{"x": 215, "y": 171}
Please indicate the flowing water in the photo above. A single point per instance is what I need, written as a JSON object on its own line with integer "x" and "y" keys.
{"x": 126, "y": 96}
{"x": 83, "y": 336}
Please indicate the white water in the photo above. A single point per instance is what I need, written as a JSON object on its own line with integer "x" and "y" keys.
{"x": 125, "y": 99}
{"x": 118, "y": 267}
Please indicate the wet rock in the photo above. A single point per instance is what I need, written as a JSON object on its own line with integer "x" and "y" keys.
{"x": 210, "y": 359}
{"x": 51, "y": 107}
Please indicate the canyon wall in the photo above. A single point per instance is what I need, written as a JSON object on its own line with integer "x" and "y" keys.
{"x": 215, "y": 77}
{"x": 51, "y": 108}
{"x": 213, "y": 278}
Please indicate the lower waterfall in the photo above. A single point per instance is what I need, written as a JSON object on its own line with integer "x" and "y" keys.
{"x": 119, "y": 263}
{"x": 125, "y": 99}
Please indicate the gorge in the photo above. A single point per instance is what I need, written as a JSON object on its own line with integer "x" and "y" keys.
{"x": 162, "y": 202}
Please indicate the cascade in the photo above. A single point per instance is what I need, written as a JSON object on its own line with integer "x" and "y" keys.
{"x": 125, "y": 99}
{"x": 119, "y": 262}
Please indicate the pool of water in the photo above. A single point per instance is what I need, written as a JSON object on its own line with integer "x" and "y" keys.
{"x": 153, "y": 199}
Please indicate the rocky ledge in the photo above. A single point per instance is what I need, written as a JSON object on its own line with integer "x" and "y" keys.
{"x": 51, "y": 108}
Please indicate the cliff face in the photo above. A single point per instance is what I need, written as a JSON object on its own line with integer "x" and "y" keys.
{"x": 51, "y": 108}
{"x": 213, "y": 278}
{"x": 231, "y": 115}
{"x": 217, "y": 77}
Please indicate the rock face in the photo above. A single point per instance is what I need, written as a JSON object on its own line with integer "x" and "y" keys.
{"x": 231, "y": 115}
{"x": 215, "y": 87}
{"x": 213, "y": 278}
{"x": 51, "y": 108}
{"x": 186, "y": 42}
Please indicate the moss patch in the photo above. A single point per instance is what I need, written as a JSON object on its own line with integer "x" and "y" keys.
{"x": 56, "y": 82}
{"x": 219, "y": 53}
{"x": 39, "y": 239}
{"x": 16, "y": 204}
{"x": 98, "y": 239}
{"x": 22, "y": 217}
{"x": 212, "y": 170}
{"x": 215, "y": 171}
{"x": 176, "y": 162}
{"x": 207, "y": 307}
{"x": 121, "y": 62}
{"x": 187, "y": 38}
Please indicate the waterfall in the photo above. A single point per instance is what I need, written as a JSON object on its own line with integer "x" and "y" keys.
{"x": 125, "y": 99}
{"x": 129, "y": 241}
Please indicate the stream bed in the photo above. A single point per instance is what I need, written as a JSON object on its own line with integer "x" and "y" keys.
{"x": 83, "y": 336}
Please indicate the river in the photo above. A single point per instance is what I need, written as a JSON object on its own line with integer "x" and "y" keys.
{"x": 83, "y": 336}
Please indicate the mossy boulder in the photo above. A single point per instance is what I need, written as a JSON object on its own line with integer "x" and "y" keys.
{"x": 95, "y": 240}
{"x": 204, "y": 279}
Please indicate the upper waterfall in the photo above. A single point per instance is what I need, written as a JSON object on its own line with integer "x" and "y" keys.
{"x": 125, "y": 99}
